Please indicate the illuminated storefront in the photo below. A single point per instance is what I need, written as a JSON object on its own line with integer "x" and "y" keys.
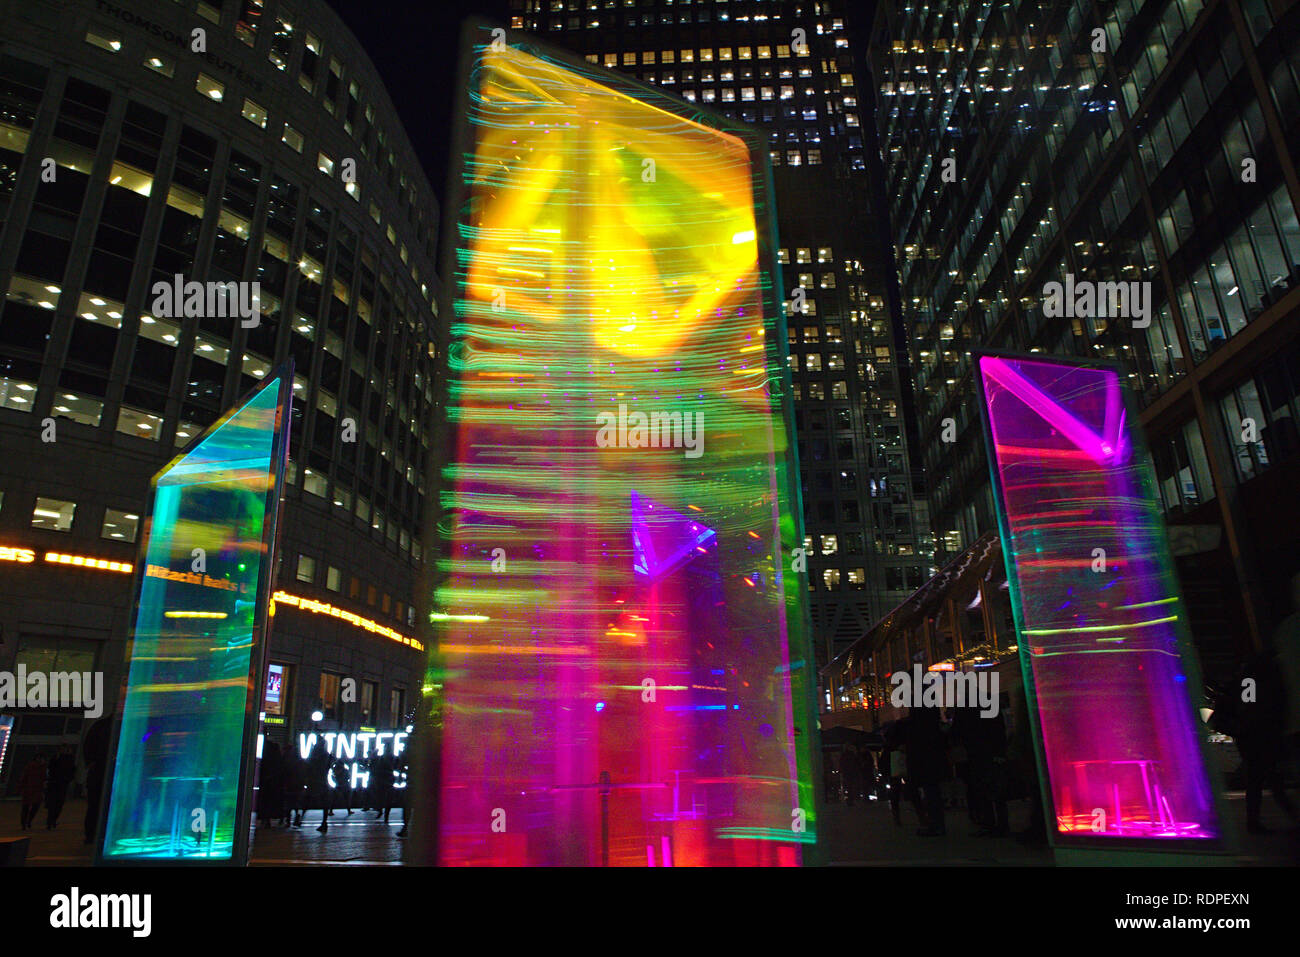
{"x": 356, "y": 749}
{"x": 623, "y": 642}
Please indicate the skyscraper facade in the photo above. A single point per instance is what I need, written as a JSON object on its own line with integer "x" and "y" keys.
{"x": 130, "y": 157}
{"x": 1114, "y": 180}
{"x": 791, "y": 69}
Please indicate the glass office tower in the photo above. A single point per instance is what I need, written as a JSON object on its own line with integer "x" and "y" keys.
{"x": 796, "y": 69}
{"x": 1074, "y": 141}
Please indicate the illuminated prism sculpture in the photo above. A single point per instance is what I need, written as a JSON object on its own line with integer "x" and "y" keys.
{"x": 181, "y": 779}
{"x": 1103, "y": 638}
{"x": 622, "y": 671}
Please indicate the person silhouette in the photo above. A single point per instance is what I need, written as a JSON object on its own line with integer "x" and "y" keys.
{"x": 318, "y": 769}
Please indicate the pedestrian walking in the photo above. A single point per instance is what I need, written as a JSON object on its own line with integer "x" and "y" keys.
{"x": 926, "y": 765}
{"x": 94, "y": 753}
{"x": 381, "y": 779}
{"x": 1258, "y": 725}
{"x": 852, "y": 774}
{"x": 318, "y": 770}
{"x": 295, "y": 786}
{"x": 31, "y": 788}
{"x": 270, "y": 785}
{"x": 57, "y": 781}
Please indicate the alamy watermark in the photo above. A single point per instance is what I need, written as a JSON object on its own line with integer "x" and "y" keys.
{"x": 946, "y": 689}
{"x": 656, "y": 430}
{"x": 178, "y": 299}
{"x": 1086, "y": 299}
{"x": 82, "y": 690}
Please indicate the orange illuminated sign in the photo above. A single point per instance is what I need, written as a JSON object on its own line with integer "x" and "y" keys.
{"x": 83, "y": 561}
{"x": 325, "y": 608}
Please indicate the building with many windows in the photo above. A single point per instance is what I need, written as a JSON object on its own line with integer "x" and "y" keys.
{"x": 239, "y": 141}
{"x": 790, "y": 68}
{"x": 1134, "y": 141}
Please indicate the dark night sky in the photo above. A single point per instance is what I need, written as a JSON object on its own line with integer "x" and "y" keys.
{"x": 413, "y": 46}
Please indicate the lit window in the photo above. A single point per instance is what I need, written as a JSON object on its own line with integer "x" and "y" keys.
{"x": 186, "y": 431}
{"x": 160, "y": 64}
{"x": 212, "y": 89}
{"x": 306, "y": 569}
{"x": 15, "y": 394}
{"x": 208, "y": 12}
{"x": 120, "y": 526}
{"x": 254, "y": 113}
{"x": 333, "y": 579}
{"x": 139, "y": 423}
{"x": 53, "y": 514}
{"x": 250, "y": 17}
{"x": 292, "y": 138}
{"x": 324, "y": 164}
{"x": 111, "y": 44}
{"x": 78, "y": 408}
{"x": 314, "y": 483}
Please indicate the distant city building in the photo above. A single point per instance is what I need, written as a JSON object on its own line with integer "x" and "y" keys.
{"x": 1081, "y": 143}
{"x": 273, "y": 155}
{"x": 792, "y": 69}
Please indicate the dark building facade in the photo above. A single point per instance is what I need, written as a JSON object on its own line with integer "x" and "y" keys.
{"x": 238, "y": 141}
{"x": 1137, "y": 142}
{"x": 791, "y": 69}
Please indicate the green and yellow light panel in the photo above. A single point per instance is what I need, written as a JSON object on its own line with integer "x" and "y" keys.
{"x": 623, "y": 669}
{"x": 182, "y": 775}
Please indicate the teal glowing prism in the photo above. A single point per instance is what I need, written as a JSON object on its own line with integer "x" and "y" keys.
{"x": 182, "y": 777}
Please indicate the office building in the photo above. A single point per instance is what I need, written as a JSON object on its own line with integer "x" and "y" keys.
{"x": 1146, "y": 145}
{"x": 219, "y": 142}
{"x": 791, "y": 69}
